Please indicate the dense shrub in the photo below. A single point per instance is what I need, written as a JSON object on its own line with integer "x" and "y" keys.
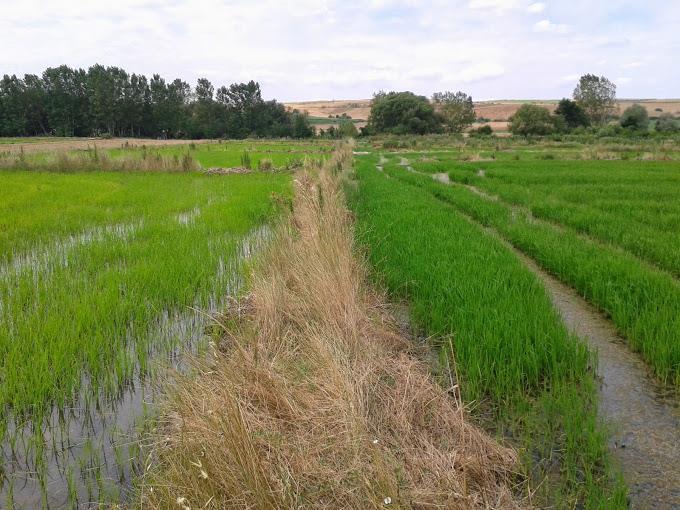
{"x": 532, "y": 120}
{"x": 484, "y": 130}
{"x": 635, "y": 117}
{"x": 573, "y": 114}
{"x": 402, "y": 113}
{"x": 667, "y": 124}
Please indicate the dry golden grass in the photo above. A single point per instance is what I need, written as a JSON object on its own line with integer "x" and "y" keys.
{"x": 312, "y": 398}
{"x": 71, "y": 144}
{"x": 499, "y": 112}
{"x": 94, "y": 159}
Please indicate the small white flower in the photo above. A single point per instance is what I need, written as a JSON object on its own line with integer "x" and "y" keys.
{"x": 387, "y": 500}
{"x": 375, "y": 441}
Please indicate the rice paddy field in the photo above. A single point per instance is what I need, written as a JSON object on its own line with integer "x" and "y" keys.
{"x": 116, "y": 257}
{"x": 106, "y": 279}
{"x": 469, "y": 237}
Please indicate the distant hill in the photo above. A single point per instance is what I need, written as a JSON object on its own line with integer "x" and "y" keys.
{"x": 497, "y": 112}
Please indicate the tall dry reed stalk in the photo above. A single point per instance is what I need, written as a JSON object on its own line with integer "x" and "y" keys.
{"x": 95, "y": 160}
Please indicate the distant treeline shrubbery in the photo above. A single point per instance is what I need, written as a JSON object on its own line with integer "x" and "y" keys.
{"x": 592, "y": 107}
{"x": 109, "y": 101}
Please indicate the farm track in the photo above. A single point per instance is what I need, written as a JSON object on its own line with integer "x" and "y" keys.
{"x": 644, "y": 419}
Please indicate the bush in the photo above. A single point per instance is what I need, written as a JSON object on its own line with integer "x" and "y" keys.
{"x": 532, "y": 120}
{"x": 347, "y": 129}
{"x": 402, "y": 113}
{"x": 635, "y": 117}
{"x": 573, "y": 114}
{"x": 265, "y": 165}
{"x": 484, "y": 130}
{"x": 667, "y": 124}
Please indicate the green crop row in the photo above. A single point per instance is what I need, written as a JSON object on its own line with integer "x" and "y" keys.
{"x": 632, "y": 205}
{"x": 642, "y": 302}
{"x": 516, "y": 360}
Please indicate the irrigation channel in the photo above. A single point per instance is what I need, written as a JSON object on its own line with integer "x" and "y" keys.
{"x": 91, "y": 452}
{"x": 642, "y": 416}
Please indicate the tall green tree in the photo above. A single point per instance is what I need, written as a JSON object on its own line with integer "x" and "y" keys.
{"x": 597, "y": 96}
{"x": 456, "y": 108}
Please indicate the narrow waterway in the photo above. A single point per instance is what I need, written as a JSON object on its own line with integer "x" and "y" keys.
{"x": 644, "y": 419}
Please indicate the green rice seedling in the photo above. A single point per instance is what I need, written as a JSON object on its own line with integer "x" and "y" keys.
{"x": 529, "y": 378}
{"x": 642, "y": 301}
{"x": 99, "y": 273}
{"x": 631, "y": 205}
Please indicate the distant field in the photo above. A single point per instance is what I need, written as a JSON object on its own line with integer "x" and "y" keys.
{"x": 42, "y": 144}
{"x": 498, "y": 112}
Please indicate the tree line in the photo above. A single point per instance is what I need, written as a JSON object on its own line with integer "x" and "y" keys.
{"x": 109, "y": 101}
{"x": 592, "y": 106}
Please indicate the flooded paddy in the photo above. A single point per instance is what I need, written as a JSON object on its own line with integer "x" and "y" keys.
{"x": 92, "y": 320}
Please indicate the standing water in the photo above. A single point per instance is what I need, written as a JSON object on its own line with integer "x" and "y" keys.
{"x": 643, "y": 417}
{"x": 90, "y": 453}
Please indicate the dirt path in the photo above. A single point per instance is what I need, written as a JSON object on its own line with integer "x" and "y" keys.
{"x": 85, "y": 143}
{"x": 644, "y": 419}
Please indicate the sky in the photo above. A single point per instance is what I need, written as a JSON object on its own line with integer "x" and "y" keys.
{"x": 344, "y": 49}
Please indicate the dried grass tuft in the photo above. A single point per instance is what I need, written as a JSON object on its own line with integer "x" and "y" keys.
{"x": 314, "y": 399}
{"x": 94, "y": 160}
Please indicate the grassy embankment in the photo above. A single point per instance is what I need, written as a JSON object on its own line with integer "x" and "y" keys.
{"x": 526, "y": 375}
{"x": 312, "y": 398}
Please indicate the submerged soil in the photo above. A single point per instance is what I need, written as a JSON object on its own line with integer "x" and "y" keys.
{"x": 644, "y": 419}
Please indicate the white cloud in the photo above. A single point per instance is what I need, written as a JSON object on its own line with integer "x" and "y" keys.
{"x": 493, "y": 4}
{"x": 548, "y": 26}
{"x": 305, "y": 49}
{"x": 536, "y": 8}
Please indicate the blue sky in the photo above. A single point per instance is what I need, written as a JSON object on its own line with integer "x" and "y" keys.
{"x": 332, "y": 49}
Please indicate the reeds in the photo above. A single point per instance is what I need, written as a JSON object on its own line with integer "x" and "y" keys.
{"x": 96, "y": 160}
